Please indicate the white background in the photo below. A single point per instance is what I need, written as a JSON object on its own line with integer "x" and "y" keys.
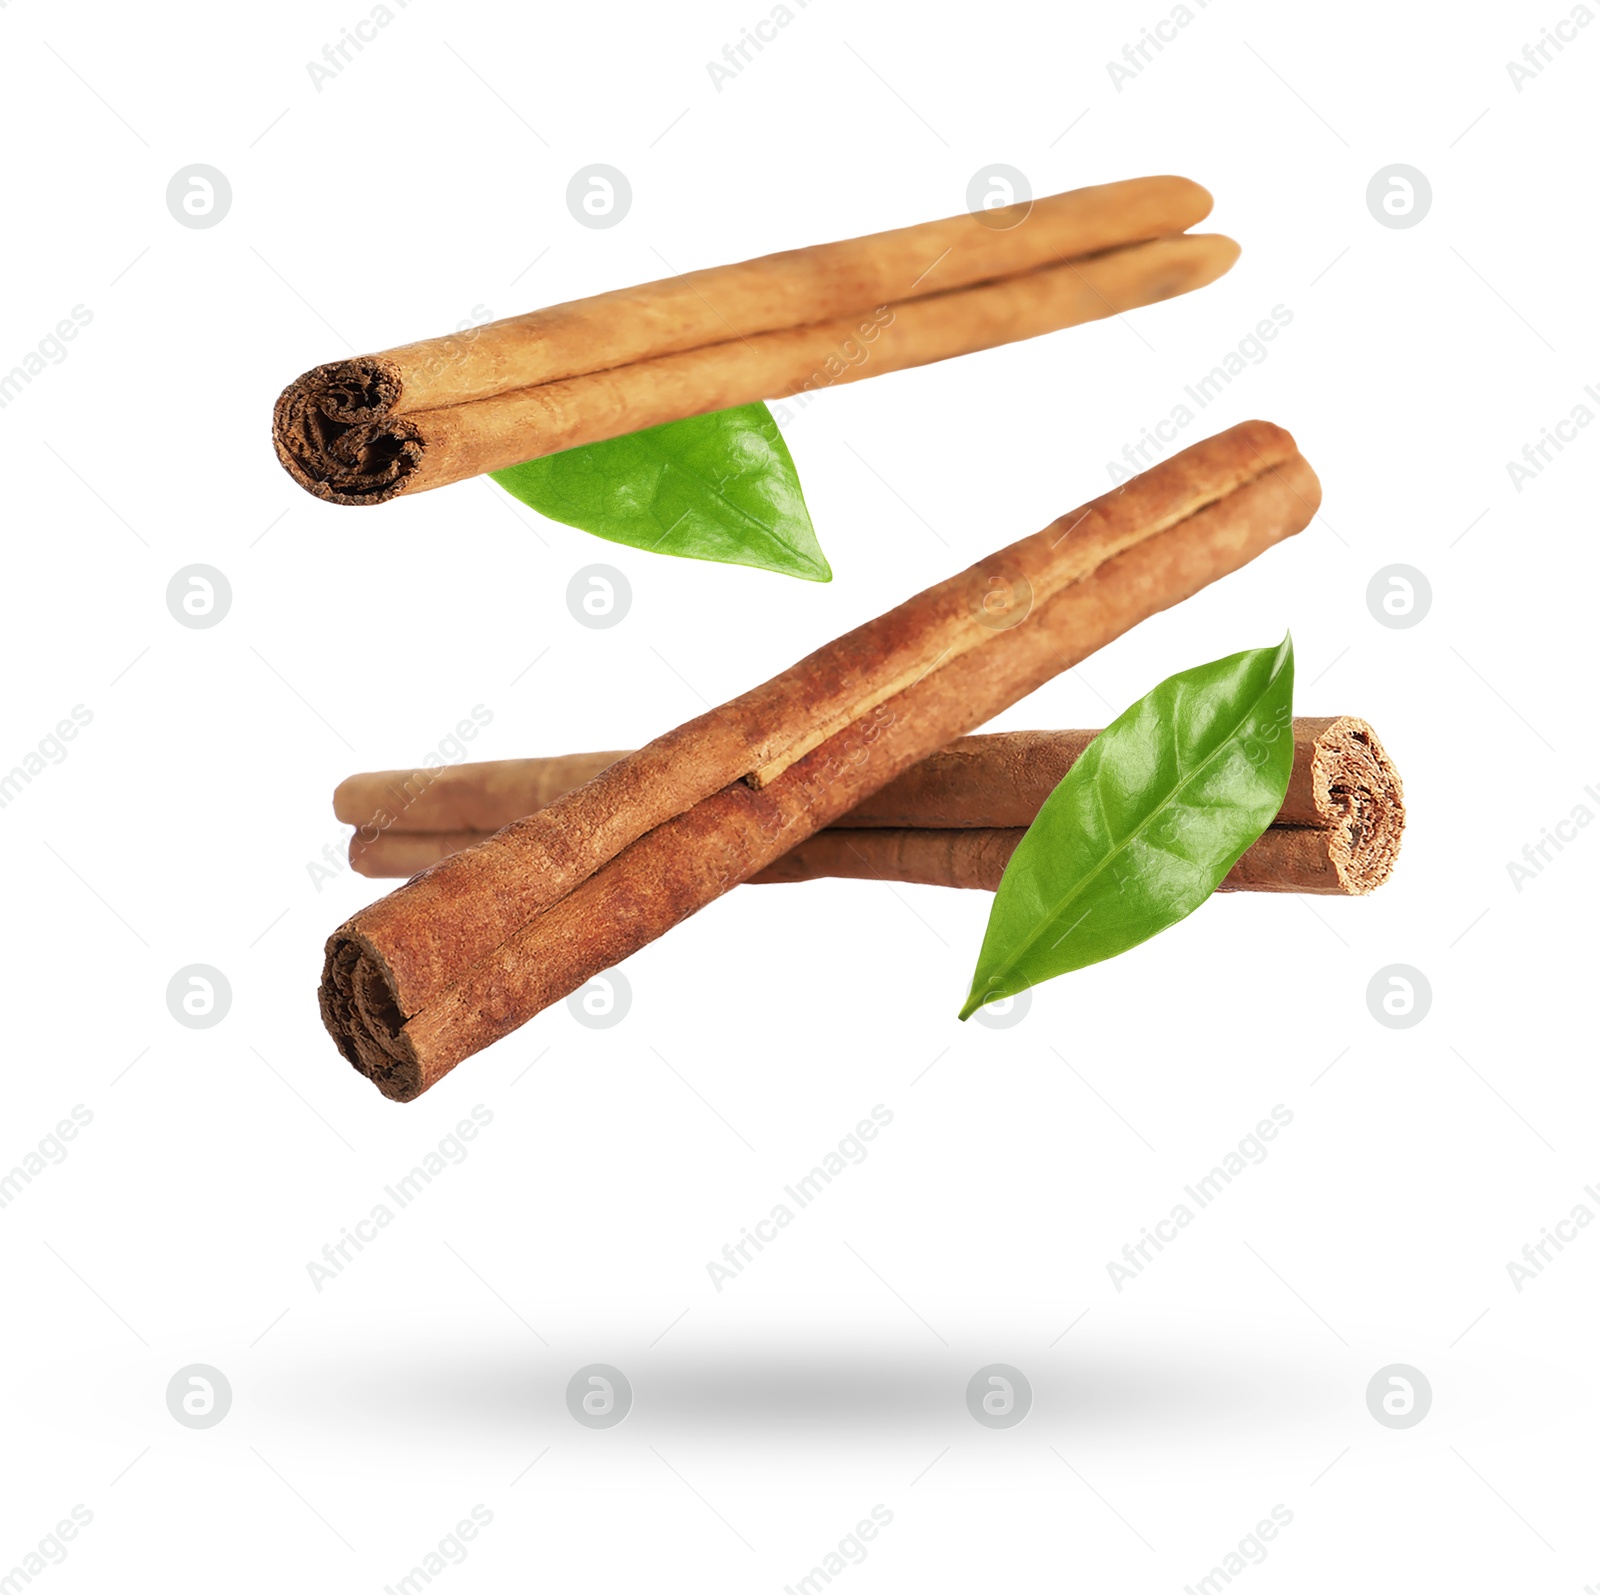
{"x": 428, "y": 177}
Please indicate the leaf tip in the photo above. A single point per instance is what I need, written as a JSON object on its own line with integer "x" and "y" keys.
{"x": 975, "y": 1000}
{"x": 812, "y": 568}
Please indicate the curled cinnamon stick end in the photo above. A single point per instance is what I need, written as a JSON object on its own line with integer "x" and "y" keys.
{"x": 1350, "y": 791}
{"x": 334, "y": 433}
{"x": 356, "y": 999}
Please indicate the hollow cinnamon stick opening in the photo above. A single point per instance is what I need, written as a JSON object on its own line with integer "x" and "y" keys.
{"x": 364, "y": 431}
{"x": 477, "y": 944}
{"x": 951, "y": 820}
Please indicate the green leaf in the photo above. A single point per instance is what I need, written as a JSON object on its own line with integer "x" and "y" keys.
{"x": 1144, "y": 826}
{"x": 719, "y": 486}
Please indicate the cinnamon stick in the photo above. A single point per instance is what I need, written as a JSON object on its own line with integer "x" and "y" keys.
{"x": 956, "y": 818}
{"x": 1284, "y": 858}
{"x": 479, "y": 943}
{"x": 481, "y": 796}
{"x": 364, "y": 431}
{"x": 952, "y": 820}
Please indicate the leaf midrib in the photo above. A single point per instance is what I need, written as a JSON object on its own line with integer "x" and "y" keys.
{"x": 770, "y": 533}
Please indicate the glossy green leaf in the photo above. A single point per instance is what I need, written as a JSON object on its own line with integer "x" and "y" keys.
{"x": 720, "y": 487}
{"x": 1144, "y": 826}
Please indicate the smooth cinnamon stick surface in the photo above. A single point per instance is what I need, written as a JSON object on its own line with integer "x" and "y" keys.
{"x": 951, "y": 820}
{"x": 476, "y": 945}
{"x": 461, "y": 797}
{"x": 363, "y": 431}
{"x": 818, "y": 283}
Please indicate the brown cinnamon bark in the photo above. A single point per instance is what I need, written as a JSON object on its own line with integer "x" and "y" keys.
{"x": 1284, "y": 858}
{"x": 952, "y": 820}
{"x": 366, "y": 430}
{"x": 460, "y": 797}
{"x": 818, "y": 283}
{"x": 478, "y": 944}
